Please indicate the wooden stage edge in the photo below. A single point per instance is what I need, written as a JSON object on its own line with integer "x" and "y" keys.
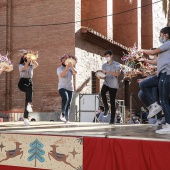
{"x": 82, "y": 129}
{"x": 80, "y": 146}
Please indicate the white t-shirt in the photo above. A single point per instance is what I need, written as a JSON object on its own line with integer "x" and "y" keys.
{"x": 163, "y": 61}
{"x": 28, "y": 73}
{"x": 110, "y": 80}
{"x": 67, "y": 81}
{"x": 103, "y": 119}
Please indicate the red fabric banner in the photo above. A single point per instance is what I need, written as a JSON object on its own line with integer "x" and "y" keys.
{"x": 122, "y": 154}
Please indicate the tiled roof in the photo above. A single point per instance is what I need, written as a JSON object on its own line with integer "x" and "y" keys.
{"x": 105, "y": 40}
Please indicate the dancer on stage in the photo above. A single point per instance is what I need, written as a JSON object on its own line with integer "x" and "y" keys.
{"x": 65, "y": 85}
{"x": 26, "y": 67}
{"x": 162, "y": 80}
{"x": 153, "y": 91}
{"x": 112, "y": 70}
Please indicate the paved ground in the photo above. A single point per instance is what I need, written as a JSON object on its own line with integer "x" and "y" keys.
{"x": 145, "y": 132}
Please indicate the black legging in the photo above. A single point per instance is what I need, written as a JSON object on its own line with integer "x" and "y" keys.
{"x": 112, "y": 94}
{"x": 26, "y": 86}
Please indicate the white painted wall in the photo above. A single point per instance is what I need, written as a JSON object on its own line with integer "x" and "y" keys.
{"x": 139, "y": 23}
{"x": 110, "y": 19}
{"x": 159, "y": 21}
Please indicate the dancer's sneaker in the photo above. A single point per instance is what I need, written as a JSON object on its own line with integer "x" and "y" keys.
{"x": 26, "y": 122}
{"x": 105, "y": 113}
{"x": 62, "y": 117}
{"x": 164, "y": 130}
{"x": 67, "y": 122}
{"x": 158, "y": 123}
{"x": 29, "y": 108}
{"x": 163, "y": 126}
{"x": 111, "y": 123}
{"x": 154, "y": 109}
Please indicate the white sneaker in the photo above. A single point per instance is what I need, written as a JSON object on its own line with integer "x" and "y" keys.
{"x": 158, "y": 122}
{"x": 62, "y": 117}
{"x": 29, "y": 108}
{"x": 155, "y": 108}
{"x": 26, "y": 122}
{"x": 164, "y": 125}
{"x": 164, "y": 130}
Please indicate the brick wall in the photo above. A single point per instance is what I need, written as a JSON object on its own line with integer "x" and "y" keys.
{"x": 3, "y": 51}
{"x": 125, "y": 31}
{"x": 54, "y": 40}
{"x": 94, "y": 9}
{"x": 125, "y": 24}
{"x": 50, "y": 41}
{"x": 146, "y": 19}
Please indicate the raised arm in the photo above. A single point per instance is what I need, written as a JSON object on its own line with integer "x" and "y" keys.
{"x": 151, "y": 52}
{"x": 63, "y": 74}
{"x": 73, "y": 70}
{"x": 26, "y": 64}
{"x": 35, "y": 64}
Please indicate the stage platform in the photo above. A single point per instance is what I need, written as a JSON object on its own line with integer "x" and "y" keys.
{"x": 82, "y": 146}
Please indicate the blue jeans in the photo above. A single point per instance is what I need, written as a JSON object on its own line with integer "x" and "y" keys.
{"x": 143, "y": 98}
{"x": 66, "y": 96}
{"x": 163, "y": 83}
{"x": 147, "y": 85}
{"x": 164, "y": 91}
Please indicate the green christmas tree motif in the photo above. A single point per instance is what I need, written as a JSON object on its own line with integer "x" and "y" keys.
{"x": 36, "y": 151}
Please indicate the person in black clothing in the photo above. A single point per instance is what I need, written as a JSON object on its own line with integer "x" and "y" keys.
{"x": 26, "y": 67}
{"x": 112, "y": 69}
